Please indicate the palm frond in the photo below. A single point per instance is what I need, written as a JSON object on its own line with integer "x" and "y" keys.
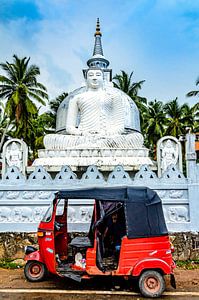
{"x": 37, "y": 97}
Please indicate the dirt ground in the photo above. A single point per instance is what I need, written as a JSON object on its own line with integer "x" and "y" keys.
{"x": 186, "y": 280}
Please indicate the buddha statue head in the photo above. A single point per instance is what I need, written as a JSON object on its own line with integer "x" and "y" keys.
{"x": 94, "y": 78}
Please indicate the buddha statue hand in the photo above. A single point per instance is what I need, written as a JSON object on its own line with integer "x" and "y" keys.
{"x": 73, "y": 130}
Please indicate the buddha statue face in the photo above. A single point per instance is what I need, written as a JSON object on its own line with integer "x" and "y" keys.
{"x": 95, "y": 79}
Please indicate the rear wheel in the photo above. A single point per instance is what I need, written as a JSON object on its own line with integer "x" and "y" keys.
{"x": 151, "y": 284}
{"x": 35, "y": 271}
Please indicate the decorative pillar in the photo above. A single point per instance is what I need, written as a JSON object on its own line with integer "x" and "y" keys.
{"x": 190, "y": 156}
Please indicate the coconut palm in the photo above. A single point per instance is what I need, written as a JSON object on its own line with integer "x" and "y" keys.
{"x": 195, "y": 108}
{"x": 54, "y": 105}
{"x": 190, "y": 116}
{"x": 195, "y": 92}
{"x": 40, "y": 126}
{"x": 124, "y": 82}
{"x": 179, "y": 117}
{"x": 20, "y": 88}
{"x": 154, "y": 123}
{"x": 44, "y": 124}
{"x": 4, "y": 124}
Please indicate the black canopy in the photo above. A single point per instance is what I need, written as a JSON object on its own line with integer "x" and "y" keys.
{"x": 143, "y": 207}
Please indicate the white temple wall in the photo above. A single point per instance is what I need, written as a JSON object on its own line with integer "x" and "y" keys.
{"x": 24, "y": 201}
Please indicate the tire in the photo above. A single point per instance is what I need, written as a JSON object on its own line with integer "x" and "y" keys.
{"x": 35, "y": 271}
{"x": 151, "y": 284}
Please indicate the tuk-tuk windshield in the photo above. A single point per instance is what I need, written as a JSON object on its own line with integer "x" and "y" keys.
{"x": 48, "y": 214}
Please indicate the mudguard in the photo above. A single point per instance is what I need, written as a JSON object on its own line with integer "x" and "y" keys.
{"x": 34, "y": 256}
{"x": 153, "y": 263}
{"x": 173, "y": 281}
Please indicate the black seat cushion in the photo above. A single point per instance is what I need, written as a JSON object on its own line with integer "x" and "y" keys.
{"x": 81, "y": 242}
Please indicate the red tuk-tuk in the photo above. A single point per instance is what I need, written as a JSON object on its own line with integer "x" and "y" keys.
{"x": 127, "y": 237}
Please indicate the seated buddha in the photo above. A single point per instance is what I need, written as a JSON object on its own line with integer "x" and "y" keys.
{"x": 96, "y": 119}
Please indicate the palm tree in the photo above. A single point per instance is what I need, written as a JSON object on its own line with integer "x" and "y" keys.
{"x": 4, "y": 124}
{"x": 54, "y": 105}
{"x": 179, "y": 117}
{"x": 20, "y": 88}
{"x": 154, "y": 123}
{"x": 190, "y": 116}
{"x": 193, "y": 93}
{"x": 44, "y": 124}
{"x": 40, "y": 125}
{"x": 195, "y": 108}
{"x": 124, "y": 82}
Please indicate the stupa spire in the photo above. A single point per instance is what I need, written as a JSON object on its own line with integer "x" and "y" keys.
{"x": 98, "y": 59}
{"x": 98, "y": 28}
{"x": 98, "y": 43}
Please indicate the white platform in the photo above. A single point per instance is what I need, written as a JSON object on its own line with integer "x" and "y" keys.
{"x": 106, "y": 159}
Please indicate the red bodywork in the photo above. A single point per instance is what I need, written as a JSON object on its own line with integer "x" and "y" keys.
{"x": 51, "y": 242}
{"x": 136, "y": 255}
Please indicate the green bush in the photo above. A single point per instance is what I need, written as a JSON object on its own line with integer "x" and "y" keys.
{"x": 9, "y": 264}
{"x": 188, "y": 264}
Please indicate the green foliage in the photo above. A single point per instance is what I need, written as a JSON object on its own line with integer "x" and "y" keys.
{"x": 4, "y": 124}
{"x": 9, "y": 264}
{"x": 188, "y": 264}
{"x": 124, "y": 82}
{"x": 43, "y": 124}
{"x": 54, "y": 105}
{"x": 20, "y": 88}
{"x": 154, "y": 122}
{"x": 159, "y": 119}
{"x": 179, "y": 118}
{"x": 195, "y": 92}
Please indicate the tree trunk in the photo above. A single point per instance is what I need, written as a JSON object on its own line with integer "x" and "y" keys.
{"x": 3, "y": 135}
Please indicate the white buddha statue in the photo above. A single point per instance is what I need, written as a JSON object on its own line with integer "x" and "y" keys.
{"x": 96, "y": 119}
{"x": 96, "y": 124}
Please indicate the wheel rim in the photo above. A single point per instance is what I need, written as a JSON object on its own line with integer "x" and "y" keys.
{"x": 35, "y": 270}
{"x": 152, "y": 284}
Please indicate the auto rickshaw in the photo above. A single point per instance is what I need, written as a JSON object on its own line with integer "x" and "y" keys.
{"x": 128, "y": 237}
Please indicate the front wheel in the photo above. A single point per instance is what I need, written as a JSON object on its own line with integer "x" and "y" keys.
{"x": 151, "y": 284}
{"x": 35, "y": 271}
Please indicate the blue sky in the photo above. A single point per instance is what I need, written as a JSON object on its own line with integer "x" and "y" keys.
{"x": 157, "y": 39}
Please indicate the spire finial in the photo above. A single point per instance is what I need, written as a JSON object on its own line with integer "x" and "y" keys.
{"x": 98, "y": 28}
{"x": 98, "y": 59}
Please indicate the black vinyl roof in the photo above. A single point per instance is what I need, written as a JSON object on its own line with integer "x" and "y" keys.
{"x": 143, "y": 207}
{"x": 123, "y": 194}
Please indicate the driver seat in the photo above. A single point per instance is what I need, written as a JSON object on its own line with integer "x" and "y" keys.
{"x": 81, "y": 242}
